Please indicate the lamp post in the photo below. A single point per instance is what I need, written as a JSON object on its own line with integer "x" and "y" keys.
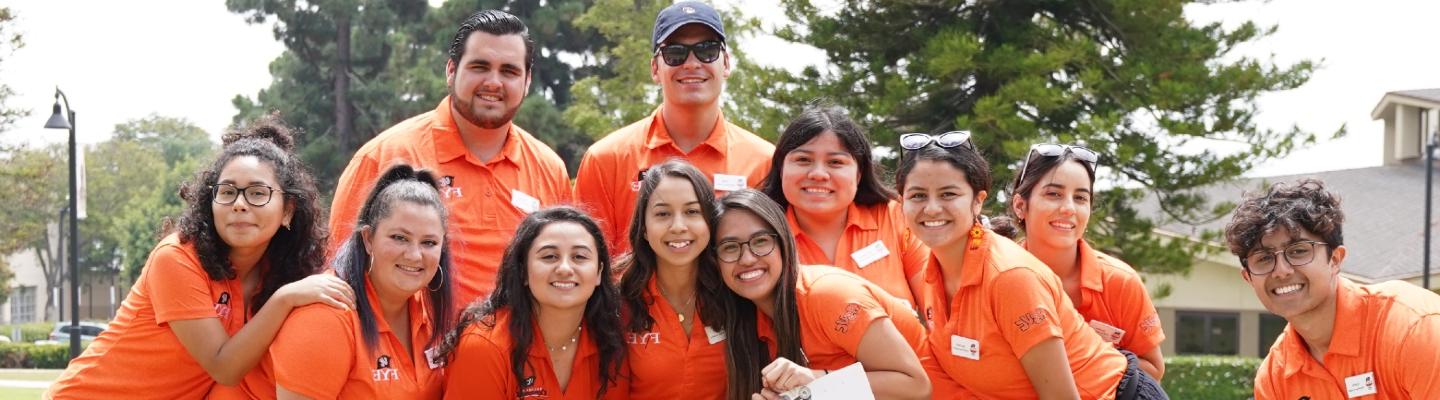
{"x": 67, "y": 121}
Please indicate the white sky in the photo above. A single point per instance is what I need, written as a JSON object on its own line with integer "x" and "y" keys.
{"x": 122, "y": 60}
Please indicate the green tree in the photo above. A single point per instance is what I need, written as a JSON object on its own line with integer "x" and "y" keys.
{"x": 21, "y": 182}
{"x": 1132, "y": 79}
{"x": 162, "y": 152}
{"x": 35, "y": 180}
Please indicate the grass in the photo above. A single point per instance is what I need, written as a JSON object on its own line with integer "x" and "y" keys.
{"x": 20, "y": 394}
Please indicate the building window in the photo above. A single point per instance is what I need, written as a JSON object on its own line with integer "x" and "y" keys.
{"x": 1271, "y": 326}
{"x": 1207, "y": 333}
{"x": 22, "y": 304}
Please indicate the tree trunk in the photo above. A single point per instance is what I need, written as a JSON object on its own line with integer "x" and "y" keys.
{"x": 344, "y": 117}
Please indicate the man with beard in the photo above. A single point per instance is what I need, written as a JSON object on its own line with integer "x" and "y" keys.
{"x": 494, "y": 173}
{"x": 690, "y": 63}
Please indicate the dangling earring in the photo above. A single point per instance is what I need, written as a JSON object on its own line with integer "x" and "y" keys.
{"x": 441, "y": 280}
{"x": 976, "y": 233}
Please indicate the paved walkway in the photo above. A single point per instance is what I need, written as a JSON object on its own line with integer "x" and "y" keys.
{"x": 24, "y": 384}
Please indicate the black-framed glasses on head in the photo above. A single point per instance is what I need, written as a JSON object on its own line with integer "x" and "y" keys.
{"x": 1300, "y": 253}
{"x": 1082, "y": 153}
{"x": 257, "y": 195}
{"x": 760, "y": 245}
{"x": 916, "y": 141}
{"x": 675, "y": 54}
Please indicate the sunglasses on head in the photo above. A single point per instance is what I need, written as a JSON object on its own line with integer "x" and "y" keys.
{"x": 1081, "y": 153}
{"x": 675, "y": 54}
{"x": 916, "y": 141}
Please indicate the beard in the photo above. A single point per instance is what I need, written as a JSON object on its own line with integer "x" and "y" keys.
{"x": 488, "y": 119}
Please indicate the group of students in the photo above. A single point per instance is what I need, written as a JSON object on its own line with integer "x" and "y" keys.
{"x": 456, "y": 264}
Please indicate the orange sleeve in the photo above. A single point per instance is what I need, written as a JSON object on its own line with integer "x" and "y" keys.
{"x": 478, "y": 370}
{"x": 1024, "y": 309}
{"x": 314, "y": 351}
{"x": 1267, "y": 387}
{"x": 842, "y": 310}
{"x": 592, "y": 195}
{"x": 1417, "y": 360}
{"x": 1140, "y": 317}
{"x": 179, "y": 286}
{"x": 350, "y": 192}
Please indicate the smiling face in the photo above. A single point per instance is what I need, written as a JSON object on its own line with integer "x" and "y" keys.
{"x": 1298, "y": 290}
{"x": 563, "y": 266}
{"x": 404, "y": 249}
{"x": 939, "y": 205}
{"x": 242, "y": 226}
{"x": 1058, "y": 209}
{"x": 490, "y": 82}
{"x": 820, "y": 177}
{"x": 751, "y": 277}
{"x": 675, "y": 224}
{"x": 694, "y": 83}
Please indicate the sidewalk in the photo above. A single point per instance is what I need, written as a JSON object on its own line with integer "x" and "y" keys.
{"x": 10, "y": 383}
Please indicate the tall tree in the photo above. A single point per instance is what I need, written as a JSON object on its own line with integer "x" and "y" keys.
{"x": 34, "y": 180}
{"x": 21, "y": 182}
{"x": 161, "y": 151}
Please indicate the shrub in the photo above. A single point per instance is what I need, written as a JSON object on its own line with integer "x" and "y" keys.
{"x": 1210, "y": 377}
{"x": 27, "y": 355}
{"x": 29, "y": 332}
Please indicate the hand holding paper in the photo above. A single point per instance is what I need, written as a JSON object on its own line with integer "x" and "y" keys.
{"x": 847, "y": 383}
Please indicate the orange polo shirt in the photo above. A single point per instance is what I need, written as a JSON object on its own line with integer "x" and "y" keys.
{"x": 1116, "y": 304}
{"x": 1384, "y": 346}
{"x": 876, "y": 245}
{"x": 486, "y": 198}
{"x": 608, "y": 181}
{"x": 480, "y": 367}
{"x": 670, "y": 364}
{"x": 320, "y": 352}
{"x": 1007, "y": 302}
{"x": 836, "y": 308}
{"x": 139, "y": 355}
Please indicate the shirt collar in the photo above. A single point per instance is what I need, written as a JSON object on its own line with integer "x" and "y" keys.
{"x": 1089, "y": 264}
{"x": 449, "y": 145}
{"x": 977, "y": 253}
{"x": 1343, "y": 342}
{"x": 854, "y": 217}
{"x": 419, "y": 313}
{"x": 660, "y": 136}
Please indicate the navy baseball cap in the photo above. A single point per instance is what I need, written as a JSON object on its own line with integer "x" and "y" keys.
{"x": 684, "y": 13}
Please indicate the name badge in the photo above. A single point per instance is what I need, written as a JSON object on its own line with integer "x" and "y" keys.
{"x": 1360, "y": 385}
{"x": 961, "y": 346}
{"x": 1107, "y": 332}
{"x": 714, "y": 336}
{"x": 432, "y": 357}
{"x": 870, "y": 254}
{"x": 729, "y": 183}
{"x": 524, "y": 202}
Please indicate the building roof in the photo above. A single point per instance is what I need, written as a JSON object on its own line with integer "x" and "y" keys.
{"x": 1428, "y": 98}
{"x": 1383, "y": 206}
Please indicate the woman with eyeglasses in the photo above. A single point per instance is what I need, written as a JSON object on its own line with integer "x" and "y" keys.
{"x": 551, "y": 329}
{"x": 671, "y": 321}
{"x": 1000, "y": 323}
{"x": 1051, "y": 201}
{"x": 843, "y": 216}
{"x": 396, "y": 262}
{"x": 791, "y": 324}
{"x": 212, "y": 295}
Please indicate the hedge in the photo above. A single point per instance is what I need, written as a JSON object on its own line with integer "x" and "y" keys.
{"x": 29, "y": 332}
{"x": 27, "y": 355}
{"x": 1210, "y": 377}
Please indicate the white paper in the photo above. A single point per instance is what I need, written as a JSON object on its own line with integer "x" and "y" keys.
{"x": 524, "y": 202}
{"x": 870, "y": 254}
{"x": 849, "y": 383}
{"x": 1108, "y": 332}
{"x": 729, "y": 183}
{"x": 1360, "y": 385}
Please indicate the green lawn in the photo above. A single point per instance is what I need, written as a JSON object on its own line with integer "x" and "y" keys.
{"x": 20, "y": 394}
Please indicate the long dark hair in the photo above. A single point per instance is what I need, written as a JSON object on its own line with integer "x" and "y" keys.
{"x": 293, "y": 253}
{"x": 745, "y": 356}
{"x": 400, "y": 183}
{"x": 817, "y": 119}
{"x": 1037, "y": 166}
{"x": 640, "y": 265}
{"x": 602, "y": 316}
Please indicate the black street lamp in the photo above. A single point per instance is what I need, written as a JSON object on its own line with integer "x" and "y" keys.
{"x": 67, "y": 121}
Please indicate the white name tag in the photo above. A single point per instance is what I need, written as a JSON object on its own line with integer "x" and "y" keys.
{"x": 714, "y": 336}
{"x": 961, "y": 346}
{"x": 870, "y": 254}
{"x": 1360, "y": 385}
{"x": 524, "y": 202}
{"x": 432, "y": 357}
{"x": 729, "y": 182}
{"x": 1107, "y": 332}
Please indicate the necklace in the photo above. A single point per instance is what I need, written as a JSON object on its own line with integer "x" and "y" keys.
{"x": 678, "y": 313}
{"x": 566, "y": 346}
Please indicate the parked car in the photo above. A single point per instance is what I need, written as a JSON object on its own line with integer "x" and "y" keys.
{"x": 88, "y": 331}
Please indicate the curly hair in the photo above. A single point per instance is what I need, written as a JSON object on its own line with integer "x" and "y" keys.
{"x": 293, "y": 253}
{"x": 1304, "y": 206}
{"x": 602, "y": 310}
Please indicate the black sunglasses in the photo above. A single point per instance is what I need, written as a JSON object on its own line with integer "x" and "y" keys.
{"x": 916, "y": 141}
{"x": 1081, "y": 153}
{"x": 674, "y": 54}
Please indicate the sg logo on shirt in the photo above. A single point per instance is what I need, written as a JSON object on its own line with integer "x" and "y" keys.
{"x": 383, "y": 371}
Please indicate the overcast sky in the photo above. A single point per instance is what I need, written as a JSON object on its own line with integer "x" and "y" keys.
{"x": 122, "y": 60}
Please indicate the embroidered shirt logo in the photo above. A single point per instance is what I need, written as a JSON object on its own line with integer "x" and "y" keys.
{"x": 643, "y": 338}
{"x": 448, "y": 187}
{"x": 222, "y": 305}
{"x": 383, "y": 371}
{"x": 639, "y": 180}
{"x": 528, "y": 389}
{"x": 1030, "y": 319}
{"x": 842, "y": 325}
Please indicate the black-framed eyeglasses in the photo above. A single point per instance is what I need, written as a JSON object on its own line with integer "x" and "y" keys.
{"x": 916, "y": 141}
{"x": 674, "y": 54}
{"x": 1299, "y": 253}
{"x": 760, "y": 245}
{"x": 257, "y": 195}
{"x": 1081, "y": 153}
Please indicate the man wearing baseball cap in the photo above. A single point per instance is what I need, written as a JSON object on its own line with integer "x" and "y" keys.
{"x": 691, "y": 62}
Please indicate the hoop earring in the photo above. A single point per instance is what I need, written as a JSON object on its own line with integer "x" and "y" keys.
{"x": 442, "y": 279}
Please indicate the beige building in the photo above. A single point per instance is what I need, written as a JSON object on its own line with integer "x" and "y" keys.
{"x": 1214, "y": 311}
{"x": 100, "y": 293}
